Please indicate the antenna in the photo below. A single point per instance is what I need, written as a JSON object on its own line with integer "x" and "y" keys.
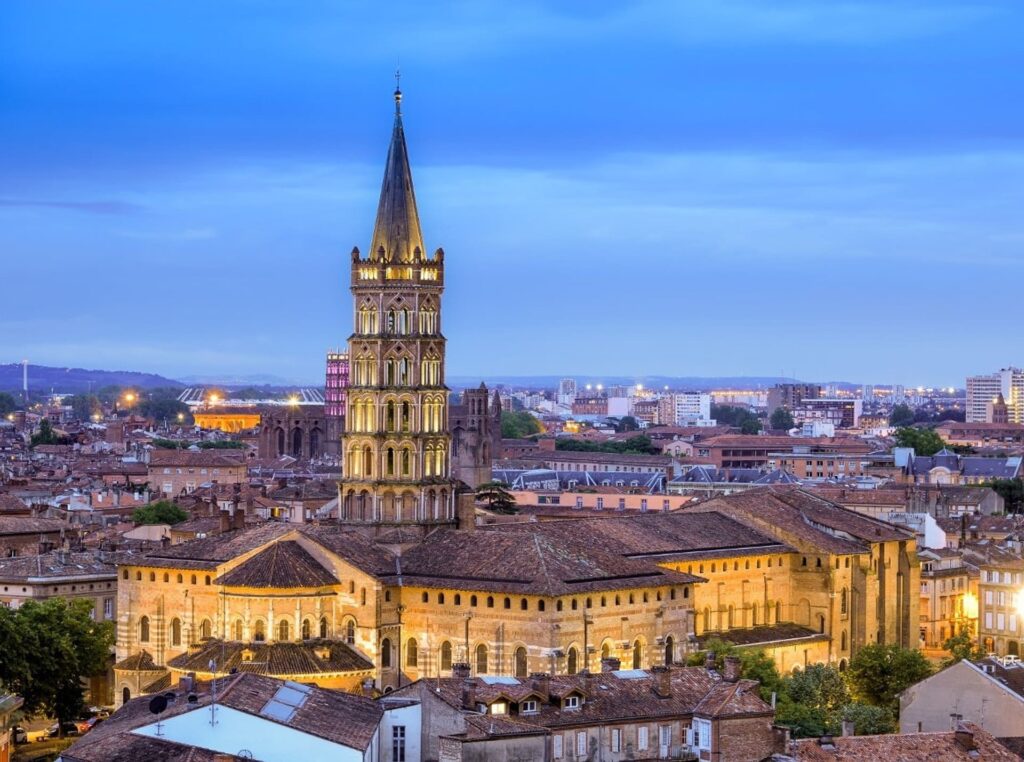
{"x": 213, "y": 692}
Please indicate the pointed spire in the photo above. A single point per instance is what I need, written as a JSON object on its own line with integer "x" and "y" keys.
{"x": 397, "y": 229}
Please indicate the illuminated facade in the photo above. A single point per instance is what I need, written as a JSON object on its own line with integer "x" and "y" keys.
{"x": 335, "y": 394}
{"x": 396, "y": 445}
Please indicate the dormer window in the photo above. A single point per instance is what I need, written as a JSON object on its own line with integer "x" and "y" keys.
{"x": 499, "y": 707}
{"x": 571, "y": 702}
{"x": 528, "y": 707}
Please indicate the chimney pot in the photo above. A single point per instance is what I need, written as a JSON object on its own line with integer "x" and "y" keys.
{"x": 541, "y": 683}
{"x": 225, "y": 521}
{"x": 849, "y": 728}
{"x": 461, "y": 670}
{"x": 469, "y": 695}
{"x": 610, "y": 664}
{"x": 965, "y": 739}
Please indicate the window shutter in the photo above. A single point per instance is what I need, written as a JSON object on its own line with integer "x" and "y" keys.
{"x": 557, "y": 742}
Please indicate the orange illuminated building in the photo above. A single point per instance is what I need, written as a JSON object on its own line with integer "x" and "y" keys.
{"x": 228, "y": 421}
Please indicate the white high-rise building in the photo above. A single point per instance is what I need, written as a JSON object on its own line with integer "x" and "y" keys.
{"x": 983, "y": 390}
{"x": 567, "y": 391}
{"x": 692, "y": 409}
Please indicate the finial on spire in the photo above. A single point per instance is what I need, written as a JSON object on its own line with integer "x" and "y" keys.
{"x": 398, "y": 91}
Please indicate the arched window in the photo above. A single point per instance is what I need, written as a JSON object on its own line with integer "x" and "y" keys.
{"x": 144, "y": 629}
{"x": 572, "y": 665}
{"x": 385, "y": 653}
{"x": 411, "y": 653}
{"x": 842, "y": 641}
{"x": 206, "y": 630}
{"x": 307, "y": 629}
{"x": 606, "y": 650}
{"x": 843, "y": 603}
{"x": 238, "y": 632}
{"x": 638, "y": 654}
{"x": 258, "y": 633}
{"x": 283, "y": 630}
{"x": 367, "y": 461}
{"x": 520, "y": 662}
{"x": 481, "y": 659}
{"x": 175, "y": 632}
{"x": 126, "y": 695}
{"x": 446, "y": 655}
{"x": 670, "y": 647}
{"x": 350, "y": 631}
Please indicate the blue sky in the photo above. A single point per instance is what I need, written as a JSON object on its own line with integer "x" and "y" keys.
{"x": 718, "y": 187}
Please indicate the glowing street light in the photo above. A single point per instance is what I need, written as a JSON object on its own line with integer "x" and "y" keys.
{"x": 181, "y": 417}
{"x": 129, "y": 397}
{"x": 293, "y": 400}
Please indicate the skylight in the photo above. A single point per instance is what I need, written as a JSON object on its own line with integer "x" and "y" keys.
{"x": 286, "y": 701}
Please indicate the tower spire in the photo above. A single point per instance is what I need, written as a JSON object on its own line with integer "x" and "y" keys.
{"x": 396, "y": 232}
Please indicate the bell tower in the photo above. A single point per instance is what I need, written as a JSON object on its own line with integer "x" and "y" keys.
{"x": 396, "y": 445}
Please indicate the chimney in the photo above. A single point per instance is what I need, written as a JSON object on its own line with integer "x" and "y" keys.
{"x": 662, "y": 681}
{"x": 965, "y": 738}
{"x": 460, "y": 670}
{"x": 165, "y": 541}
{"x": 541, "y": 683}
{"x": 469, "y": 695}
{"x": 709, "y": 661}
{"x": 849, "y": 728}
{"x": 610, "y": 664}
{"x": 225, "y": 521}
{"x": 367, "y": 687}
{"x": 731, "y": 672}
{"x": 187, "y": 683}
{"x": 239, "y": 519}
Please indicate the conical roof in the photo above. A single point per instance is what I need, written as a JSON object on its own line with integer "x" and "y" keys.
{"x": 397, "y": 229}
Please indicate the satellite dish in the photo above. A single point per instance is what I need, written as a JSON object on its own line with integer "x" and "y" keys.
{"x": 192, "y": 698}
{"x": 157, "y": 704}
{"x": 170, "y": 697}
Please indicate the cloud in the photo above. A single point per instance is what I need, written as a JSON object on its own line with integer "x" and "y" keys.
{"x": 88, "y": 207}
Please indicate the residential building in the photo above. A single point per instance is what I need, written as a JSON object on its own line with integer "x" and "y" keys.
{"x": 173, "y": 472}
{"x": 984, "y": 390}
{"x": 567, "y": 391}
{"x": 9, "y": 704}
{"x": 691, "y": 409}
{"x": 946, "y": 467}
{"x": 982, "y": 434}
{"x": 791, "y": 396}
{"x": 949, "y": 596}
{"x": 756, "y": 451}
{"x": 987, "y": 692}
{"x": 615, "y": 714}
{"x": 1000, "y": 586}
{"x": 250, "y": 716}
{"x": 843, "y": 413}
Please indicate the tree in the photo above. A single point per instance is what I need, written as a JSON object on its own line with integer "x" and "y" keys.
{"x": 812, "y": 701}
{"x": 221, "y": 444}
{"x": 46, "y": 435}
{"x": 84, "y": 406}
{"x": 869, "y": 720}
{"x": 497, "y": 497}
{"x": 924, "y": 441}
{"x": 518, "y": 425}
{"x": 781, "y": 419}
{"x": 7, "y": 404}
{"x": 901, "y": 416}
{"x": 755, "y": 664}
{"x": 160, "y": 512}
{"x": 879, "y": 673}
{"x": 961, "y": 646}
{"x": 750, "y": 426}
{"x": 54, "y": 644}
{"x": 163, "y": 409}
{"x": 1012, "y": 492}
{"x": 627, "y": 423}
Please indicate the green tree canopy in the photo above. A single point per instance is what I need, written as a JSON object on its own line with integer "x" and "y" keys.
{"x": 781, "y": 419}
{"x": 7, "y": 404}
{"x": 627, "y": 423}
{"x": 961, "y": 646}
{"x": 84, "y": 406}
{"x": 750, "y": 426}
{"x": 639, "y": 444}
{"x": 869, "y": 720}
{"x": 221, "y": 444}
{"x": 49, "y": 646}
{"x": 160, "y": 512}
{"x": 901, "y": 416}
{"x": 497, "y": 497}
{"x": 46, "y": 435}
{"x": 519, "y": 424}
{"x": 879, "y": 673}
{"x": 924, "y": 441}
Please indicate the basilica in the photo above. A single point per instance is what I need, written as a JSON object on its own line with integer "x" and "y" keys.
{"x": 408, "y": 584}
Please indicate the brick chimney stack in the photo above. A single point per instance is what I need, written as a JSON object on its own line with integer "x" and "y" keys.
{"x": 461, "y": 671}
{"x": 709, "y": 661}
{"x": 731, "y": 672}
{"x": 469, "y": 695}
{"x": 662, "y": 681}
{"x": 225, "y": 521}
{"x": 541, "y": 683}
{"x": 611, "y": 664}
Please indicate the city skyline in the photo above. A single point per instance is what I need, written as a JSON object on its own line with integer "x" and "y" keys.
{"x": 166, "y": 189}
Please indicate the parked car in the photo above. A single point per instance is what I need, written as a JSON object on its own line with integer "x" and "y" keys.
{"x": 70, "y": 729}
{"x": 24, "y": 735}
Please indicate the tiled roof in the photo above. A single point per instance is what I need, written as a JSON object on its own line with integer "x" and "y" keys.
{"x": 803, "y": 519}
{"x": 284, "y": 564}
{"x": 58, "y": 565}
{"x": 527, "y": 560}
{"x": 277, "y": 659}
{"x": 764, "y": 635}
{"x": 613, "y": 696}
{"x": 336, "y": 716}
{"x": 192, "y": 459}
{"x": 209, "y": 552}
{"x": 30, "y": 525}
{"x": 910, "y": 747}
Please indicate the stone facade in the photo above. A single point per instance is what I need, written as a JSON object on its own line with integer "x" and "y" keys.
{"x": 475, "y": 425}
{"x": 301, "y": 431}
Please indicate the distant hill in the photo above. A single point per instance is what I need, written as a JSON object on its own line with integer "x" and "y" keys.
{"x": 44, "y": 379}
{"x": 655, "y": 382}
